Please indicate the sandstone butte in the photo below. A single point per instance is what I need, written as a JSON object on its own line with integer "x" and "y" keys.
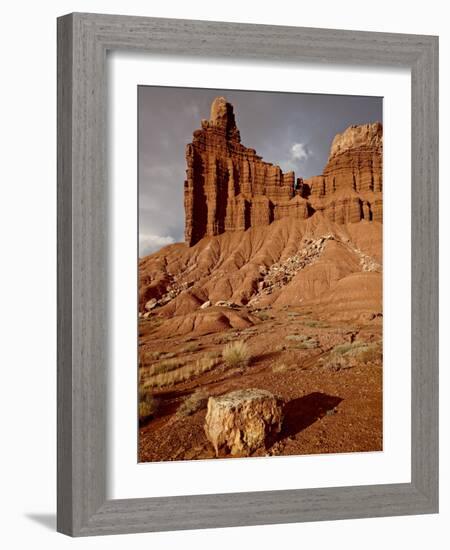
{"x": 230, "y": 188}
{"x": 258, "y": 237}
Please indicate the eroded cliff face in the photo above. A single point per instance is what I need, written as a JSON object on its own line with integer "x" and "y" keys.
{"x": 230, "y": 188}
{"x": 350, "y": 188}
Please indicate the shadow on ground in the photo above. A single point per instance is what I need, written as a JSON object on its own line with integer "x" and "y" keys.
{"x": 302, "y": 412}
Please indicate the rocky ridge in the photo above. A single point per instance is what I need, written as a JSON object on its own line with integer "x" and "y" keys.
{"x": 229, "y": 187}
{"x": 262, "y": 334}
{"x": 285, "y": 263}
{"x": 255, "y": 239}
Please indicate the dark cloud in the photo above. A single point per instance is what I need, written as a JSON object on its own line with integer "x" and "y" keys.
{"x": 292, "y": 130}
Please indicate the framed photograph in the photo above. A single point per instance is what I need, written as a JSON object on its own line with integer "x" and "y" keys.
{"x": 247, "y": 274}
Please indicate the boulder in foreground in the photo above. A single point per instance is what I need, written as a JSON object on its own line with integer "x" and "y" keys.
{"x": 242, "y": 421}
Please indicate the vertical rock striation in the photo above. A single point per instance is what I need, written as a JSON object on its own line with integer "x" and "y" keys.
{"x": 229, "y": 187}
{"x": 350, "y": 188}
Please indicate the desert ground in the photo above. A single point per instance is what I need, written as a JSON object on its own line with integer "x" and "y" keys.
{"x": 328, "y": 373}
{"x": 323, "y": 359}
{"x": 276, "y": 294}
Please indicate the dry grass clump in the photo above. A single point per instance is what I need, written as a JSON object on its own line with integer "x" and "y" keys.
{"x": 226, "y": 338}
{"x": 155, "y": 355}
{"x": 262, "y": 315}
{"x": 336, "y": 362}
{"x": 309, "y": 343}
{"x": 164, "y": 366}
{"x": 342, "y": 349}
{"x": 190, "y": 348}
{"x": 311, "y": 324}
{"x": 147, "y": 357}
{"x": 349, "y": 354}
{"x": 205, "y": 363}
{"x": 280, "y": 367}
{"x": 152, "y": 320}
{"x": 365, "y": 352}
{"x": 304, "y": 342}
{"x": 315, "y": 324}
{"x": 183, "y": 373}
{"x": 236, "y": 354}
{"x": 371, "y": 354}
{"x": 148, "y": 404}
{"x": 195, "y": 402}
{"x": 293, "y": 315}
{"x": 249, "y": 331}
{"x": 296, "y": 337}
{"x": 359, "y": 350}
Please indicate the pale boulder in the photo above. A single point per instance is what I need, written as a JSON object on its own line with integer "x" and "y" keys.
{"x": 243, "y": 421}
{"x": 151, "y": 304}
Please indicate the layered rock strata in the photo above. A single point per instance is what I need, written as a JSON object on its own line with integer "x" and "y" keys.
{"x": 230, "y": 188}
{"x": 350, "y": 188}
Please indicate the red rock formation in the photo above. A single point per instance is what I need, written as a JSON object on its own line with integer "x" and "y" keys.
{"x": 230, "y": 188}
{"x": 350, "y": 188}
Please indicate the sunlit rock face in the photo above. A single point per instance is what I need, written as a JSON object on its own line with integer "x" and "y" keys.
{"x": 229, "y": 187}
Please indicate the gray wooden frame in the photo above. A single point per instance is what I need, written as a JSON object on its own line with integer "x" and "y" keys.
{"x": 83, "y": 40}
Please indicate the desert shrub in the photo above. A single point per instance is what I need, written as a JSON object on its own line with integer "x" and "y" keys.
{"x": 193, "y": 403}
{"x": 148, "y": 404}
{"x": 236, "y": 354}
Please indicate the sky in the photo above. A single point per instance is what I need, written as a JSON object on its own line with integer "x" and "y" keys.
{"x": 292, "y": 130}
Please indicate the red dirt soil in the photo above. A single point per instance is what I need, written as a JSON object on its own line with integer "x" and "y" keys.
{"x": 289, "y": 270}
{"x": 292, "y": 311}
